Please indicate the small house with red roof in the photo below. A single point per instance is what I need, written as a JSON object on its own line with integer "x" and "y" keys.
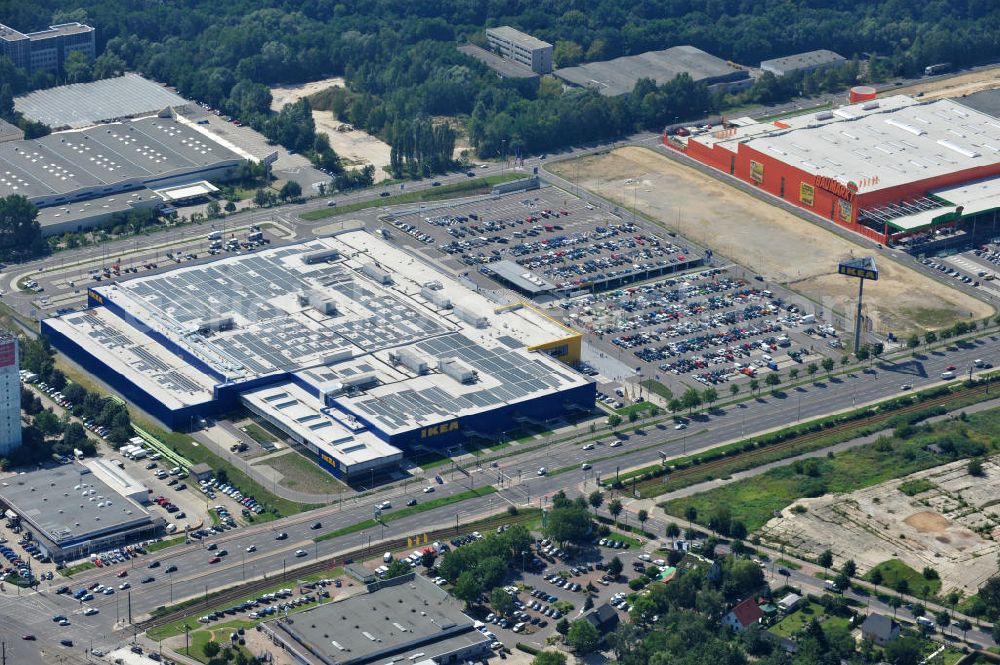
{"x": 743, "y": 615}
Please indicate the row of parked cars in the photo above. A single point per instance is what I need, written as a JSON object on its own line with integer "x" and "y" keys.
{"x": 952, "y": 272}
{"x": 212, "y": 485}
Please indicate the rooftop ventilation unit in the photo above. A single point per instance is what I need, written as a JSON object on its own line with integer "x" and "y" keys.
{"x": 320, "y": 256}
{"x": 409, "y": 359}
{"x": 376, "y": 273}
{"x": 824, "y": 115}
{"x": 457, "y": 370}
{"x": 438, "y": 298}
{"x": 470, "y": 317}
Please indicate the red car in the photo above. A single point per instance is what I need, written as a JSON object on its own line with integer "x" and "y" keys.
{"x": 950, "y": 368}
{"x": 214, "y": 559}
{"x": 123, "y": 573}
{"x": 29, "y": 637}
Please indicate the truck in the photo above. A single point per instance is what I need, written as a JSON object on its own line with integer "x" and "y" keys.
{"x": 215, "y": 235}
{"x": 940, "y": 68}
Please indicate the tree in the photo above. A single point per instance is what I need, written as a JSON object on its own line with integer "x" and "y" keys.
{"x": 902, "y": 586}
{"x": 903, "y": 651}
{"x": 615, "y": 508}
{"x": 569, "y": 522}
{"x": 773, "y": 379}
{"x": 930, "y": 337}
{"x": 566, "y": 53}
{"x": 633, "y": 416}
{"x": 793, "y": 373}
{"x": 549, "y": 658}
{"x": 963, "y": 625}
{"x": 943, "y": 619}
{"x": 501, "y": 602}
{"x": 827, "y": 364}
{"x": 427, "y": 558}
{"x": 691, "y": 514}
{"x": 20, "y": 233}
{"x": 48, "y": 423}
{"x": 691, "y": 399}
{"x": 675, "y": 405}
{"x": 811, "y": 369}
{"x": 875, "y": 577}
{"x": 614, "y": 420}
{"x": 213, "y": 210}
{"x": 562, "y": 626}
{"x": 710, "y": 396}
{"x": 733, "y": 389}
{"x": 975, "y": 467}
{"x": 397, "y": 568}
{"x": 754, "y": 386}
{"x": 825, "y": 559}
{"x": 77, "y": 68}
{"x": 582, "y": 637}
{"x": 211, "y": 649}
{"x": 596, "y": 499}
{"x": 615, "y": 567}
{"x": 290, "y": 190}
{"x": 913, "y": 341}
{"x": 849, "y": 568}
{"x": 642, "y": 516}
{"x": 230, "y": 206}
{"x": 672, "y": 532}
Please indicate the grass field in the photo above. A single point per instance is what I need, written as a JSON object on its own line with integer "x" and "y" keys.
{"x": 165, "y": 543}
{"x": 895, "y": 570}
{"x": 258, "y": 433}
{"x": 915, "y": 486}
{"x": 69, "y": 571}
{"x": 792, "y": 623}
{"x": 470, "y": 186}
{"x": 754, "y": 500}
{"x": 303, "y": 474}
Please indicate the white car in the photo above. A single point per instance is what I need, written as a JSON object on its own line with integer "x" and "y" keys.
{"x": 301, "y": 553}
{"x": 589, "y": 446}
{"x": 542, "y": 470}
{"x": 90, "y": 611}
{"x": 585, "y": 466}
{"x": 680, "y": 426}
{"x": 124, "y": 585}
{"x": 251, "y": 548}
{"x": 428, "y": 489}
{"x": 616, "y": 443}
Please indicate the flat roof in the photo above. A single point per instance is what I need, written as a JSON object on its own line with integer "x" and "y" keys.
{"x": 9, "y": 132}
{"x": 502, "y": 66}
{"x": 327, "y": 321}
{"x": 790, "y": 63}
{"x": 409, "y": 621}
{"x": 300, "y": 412}
{"x": 973, "y": 197}
{"x": 85, "y": 104}
{"x": 619, "y": 76}
{"x": 81, "y": 162}
{"x": 188, "y": 191}
{"x": 69, "y": 503}
{"x": 60, "y": 30}
{"x": 876, "y": 145}
{"x": 521, "y": 277}
{"x": 516, "y": 36}
{"x": 80, "y": 211}
{"x": 984, "y": 101}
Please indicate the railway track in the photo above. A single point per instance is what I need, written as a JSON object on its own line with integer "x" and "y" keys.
{"x": 874, "y": 419}
{"x": 233, "y": 593}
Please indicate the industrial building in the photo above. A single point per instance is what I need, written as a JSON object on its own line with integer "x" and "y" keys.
{"x": 405, "y": 619}
{"x": 520, "y": 47}
{"x": 47, "y": 49}
{"x": 352, "y": 346}
{"x": 74, "y": 510}
{"x": 803, "y": 62}
{"x": 894, "y": 170}
{"x": 80, "y": 105}
{"x": 79, "y": 178}
{"x": 10, "y": 393}
{"x": 619, "y": 76}
{"x": 507, "y": 69}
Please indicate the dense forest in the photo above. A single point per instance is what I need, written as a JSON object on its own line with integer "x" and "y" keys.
{"x": 400, "y": 62}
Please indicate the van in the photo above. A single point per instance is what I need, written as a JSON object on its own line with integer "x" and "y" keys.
{"x": 947, "y": 375}
{"x": 979, "y": 362}
{"x": 215, "y": 235}
{"x": 924, "y": 622}
{"x": 387, "y": 557}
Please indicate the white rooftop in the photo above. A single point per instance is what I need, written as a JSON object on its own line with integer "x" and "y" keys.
{"x": 973, "y": 197}
{"x": 877, "y": 145}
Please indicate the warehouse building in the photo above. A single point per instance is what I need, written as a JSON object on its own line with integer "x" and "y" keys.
{"x": 405, "y": 619}
{"x": 47, "y": 49}
{"x": 80, "y": 105}
{"x": 619, "y": 76}
{"x": 803, "y": 62}
{"x": 522, "y": 48}
{"x": 350, "y": 345}
{"x": 79, "y": 178}
{"x": 894, "y": 170}
{"x": 75, "y": 510}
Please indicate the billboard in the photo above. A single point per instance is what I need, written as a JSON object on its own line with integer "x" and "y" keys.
{"x": 844, "y": 210}
{"x": 757, "y": 172}
{"x": 864, "y": 268}
{"x": 807, "y": 194}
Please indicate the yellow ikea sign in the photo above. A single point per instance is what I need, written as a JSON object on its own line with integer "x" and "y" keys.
{"x": 438, "y": 429}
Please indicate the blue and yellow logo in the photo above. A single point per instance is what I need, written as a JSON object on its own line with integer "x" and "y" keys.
{"x": 438, "y": 429}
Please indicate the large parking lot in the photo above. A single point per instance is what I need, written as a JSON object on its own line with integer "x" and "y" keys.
{"x": 709, "y": 327}
{"x": 559, "y": 239}
{"x": 978, "y": 267}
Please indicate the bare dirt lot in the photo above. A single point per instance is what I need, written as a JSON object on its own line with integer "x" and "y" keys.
{"x": 770, "y": 241}
{"x": 950, "y": 527}
{"x": 356, "y": 147}
{"x": 954, "y": 86}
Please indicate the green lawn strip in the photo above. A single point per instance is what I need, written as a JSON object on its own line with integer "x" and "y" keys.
{"x": 195, "y": 452}
{"x": 431, "y": 194}
{"x": 638, "y": 408}
{"x": 258, "y": 433}
{"x": 165, "y": 543}
{"x": 754, "y": 500}
{"x": 202, "y": 637}
{"x": 657, "y": 388}
{"x": 652, "y": 487}
{"x": 894, "y": 570}
{"x": 915, "y": 486}
{"x": 621, "y": 537}
{"x": 214, "y": 516}
{"x": 406, "y": 511}
{"x": 69, "y": 571}
{"x": 303, "y": 472}
{"x": 176, "y": 627}
{"x": 785, "y": 563}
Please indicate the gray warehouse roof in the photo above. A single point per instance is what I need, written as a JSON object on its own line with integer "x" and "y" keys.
{"x": 619, "y": 76}
{"x": 410, "y": 619}
{"x": 69, "y": 503}
{"x": 799, "y": 61}
{"x": 86, "y": 104}
{"x": 82, "y": 162}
